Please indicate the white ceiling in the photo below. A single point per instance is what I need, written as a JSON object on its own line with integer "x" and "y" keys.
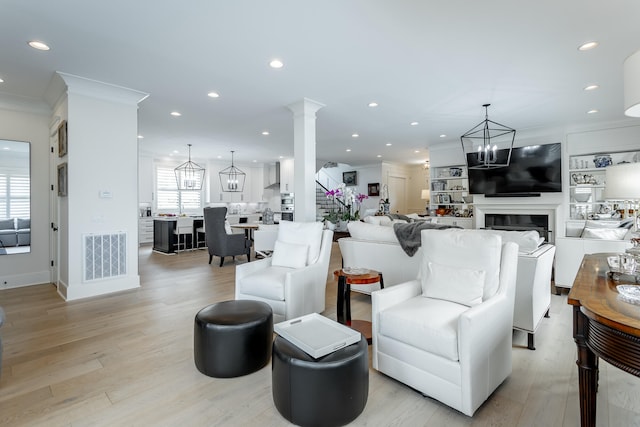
{"x": 431, "y": 61}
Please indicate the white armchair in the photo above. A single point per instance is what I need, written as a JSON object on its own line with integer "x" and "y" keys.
{"x": 448, "y": 333}
{"x": 292, "y": 281}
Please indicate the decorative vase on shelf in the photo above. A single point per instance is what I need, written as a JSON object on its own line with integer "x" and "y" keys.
{"x": 602, "y": 160}
{"x": 329, "y": 225}
{"x": 342, "y": 225}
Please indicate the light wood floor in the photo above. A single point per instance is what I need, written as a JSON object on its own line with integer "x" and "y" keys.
{"x": 127, "y": 359}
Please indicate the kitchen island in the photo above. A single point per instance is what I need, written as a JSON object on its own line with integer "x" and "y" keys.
{"x": 164, "y": 239}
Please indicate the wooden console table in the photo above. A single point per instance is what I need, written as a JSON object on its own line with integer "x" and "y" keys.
{"x": 603, "y": 327}
{"x": 345, "y": 280}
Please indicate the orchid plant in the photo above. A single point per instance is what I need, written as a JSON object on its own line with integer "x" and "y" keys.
{"x": 349, "y": 206}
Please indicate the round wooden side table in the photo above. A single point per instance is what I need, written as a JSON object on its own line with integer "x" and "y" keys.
{"x": 345, "y": 280}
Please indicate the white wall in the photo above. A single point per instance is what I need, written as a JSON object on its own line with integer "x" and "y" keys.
{"x": 32, "y": 268}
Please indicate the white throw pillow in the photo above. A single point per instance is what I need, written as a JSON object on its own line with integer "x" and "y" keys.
{"x": 604, "y": 233}
{"x": 289, "y": 255}
{"x": 363, "y": 231}
{"x": 303, "y": 233}
{"x": 460, "y": 285}
{"x": 227, "y": 227}
{"x": 601, "y": 224}
{"x": 375, "y": 220}
{"x": 527, "y": 241}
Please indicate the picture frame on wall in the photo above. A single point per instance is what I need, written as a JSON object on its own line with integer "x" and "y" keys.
{"x": 350, "y": 178}
{"x": 62, "y": 180}
{"x": 62, "y": 139}
{"x": 373, "y": 189}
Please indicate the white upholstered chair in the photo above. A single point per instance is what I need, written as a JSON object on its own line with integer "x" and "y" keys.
{"x": 448, "y": 333}
{"x": 293, "y": 280}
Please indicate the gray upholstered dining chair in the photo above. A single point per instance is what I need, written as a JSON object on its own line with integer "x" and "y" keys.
{"x": 219, "y": 242}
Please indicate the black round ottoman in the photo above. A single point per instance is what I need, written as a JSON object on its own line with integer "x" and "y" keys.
{"x": 232, "y": 338}
{"x": 328, "y": 391}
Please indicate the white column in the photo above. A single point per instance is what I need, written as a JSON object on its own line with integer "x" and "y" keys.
{"x": 102, "y": 182}
{"x": 304, "y": 149}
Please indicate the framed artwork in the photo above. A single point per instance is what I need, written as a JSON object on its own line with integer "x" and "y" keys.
{"x": 350, "y": 178}
{"x": 62, "y": 180}
{"x": 373, "y": 189}
{"x": 62, "y": 139}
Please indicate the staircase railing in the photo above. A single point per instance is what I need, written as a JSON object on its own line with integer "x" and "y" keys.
{"x": 335, "y": 204}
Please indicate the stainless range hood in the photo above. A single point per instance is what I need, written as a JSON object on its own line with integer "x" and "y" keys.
{"x": 272, "y": 176}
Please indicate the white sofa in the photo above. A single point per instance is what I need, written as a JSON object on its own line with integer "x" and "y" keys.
{"x": 377, "y": 248}
{"x": 587, "y": 237}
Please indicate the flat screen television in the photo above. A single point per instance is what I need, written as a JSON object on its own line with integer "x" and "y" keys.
{"x": 532, "y": 170}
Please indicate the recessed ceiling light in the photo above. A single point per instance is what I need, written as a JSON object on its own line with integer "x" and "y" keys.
{"x": 354, "y": 135}
{"x": 416, "y": 151}
{"x": 175, "y": 152}
{"x": 140, "y": 137}
{"x": 593, "y": 111}
{"x": 213, "y": 95}
{"x": 38, "y": 45}
{"x": 414, "y": 123}
{"x": 379, "y": 155}
{"x": 281, "y": 157}
{"x": 265, "y": 132}
{"x": 1, "y": 80}
{"x": 276, "y": 63}
{"x": 373, "y": 104}
{"x": 175, "y": 114}
{"x": 588, "y": 46}
{"x": 348, "y": 150}
{"x": 443, "y": 136}
{"x": 591, "y": 87}
{"x": 388, "y": 144}
{"x": 254, "y": 161}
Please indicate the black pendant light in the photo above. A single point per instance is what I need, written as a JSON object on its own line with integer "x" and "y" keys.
{"x": 189, "y": 175}
{"x": 232, "y": 178}
{"x": 488, "y": 145}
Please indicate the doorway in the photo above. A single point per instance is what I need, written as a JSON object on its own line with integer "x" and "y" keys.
{"x": 397, "y": 194}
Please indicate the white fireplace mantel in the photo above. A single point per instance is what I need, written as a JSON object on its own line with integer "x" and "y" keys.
{"x": 521, "y": 206}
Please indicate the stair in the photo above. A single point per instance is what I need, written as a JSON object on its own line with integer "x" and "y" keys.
{"x": 323, "y": 204}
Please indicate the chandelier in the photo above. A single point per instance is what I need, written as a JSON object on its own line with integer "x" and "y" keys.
{"x": 232, "y": 178}
{"x": 488, "y": 145}
{"x": 189, "y": 175}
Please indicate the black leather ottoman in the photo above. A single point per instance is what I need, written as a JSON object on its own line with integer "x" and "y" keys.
{"x": 328, "y": 391}
{"x": 233, "y": 338}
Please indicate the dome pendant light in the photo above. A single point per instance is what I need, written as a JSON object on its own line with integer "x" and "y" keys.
{"x": 488, "y": 145}
{"x": 232, "y": 178}
{"x": 189, "y": 175}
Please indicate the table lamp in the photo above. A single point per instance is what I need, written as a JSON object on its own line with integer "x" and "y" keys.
{"x": 426, "y": 196}
{"x": 623, "y": 183}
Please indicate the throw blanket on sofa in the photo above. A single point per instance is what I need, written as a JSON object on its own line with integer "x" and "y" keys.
{"x": 409, "y": 234}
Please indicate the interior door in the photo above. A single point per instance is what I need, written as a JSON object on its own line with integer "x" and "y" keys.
{"x": 397, "y": 194}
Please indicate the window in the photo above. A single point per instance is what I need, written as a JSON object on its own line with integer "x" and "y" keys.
{"x": 14, "y": 194}
{"x": 168, "y": 195}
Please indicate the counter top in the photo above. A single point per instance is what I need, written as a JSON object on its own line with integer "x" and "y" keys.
{"x": 173, "y": 218}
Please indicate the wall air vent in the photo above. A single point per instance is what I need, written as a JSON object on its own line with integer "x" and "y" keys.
{"x": 105, "y": 256}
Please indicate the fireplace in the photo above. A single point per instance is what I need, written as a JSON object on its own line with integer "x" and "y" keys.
{"x": 518, "y": 222}
{"x": 542, "y": 215}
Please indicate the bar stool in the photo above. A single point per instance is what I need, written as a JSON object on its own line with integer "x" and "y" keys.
{"x": 184, "y": 227}
{"x": 201, "y": 231}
